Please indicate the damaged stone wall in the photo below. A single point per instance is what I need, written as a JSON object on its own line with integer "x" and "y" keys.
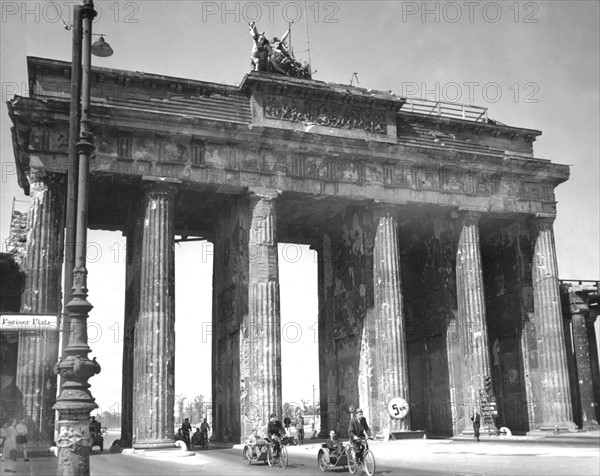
{"x": 230, "y": 311}
{"x": 11, "y": 287}
{"x": 42, "y": 264}
{"x": 506, "y": 260}
{"x": 348, "y": 293}
{"x": 134, "y": 235}
{"x": 428, "y": 253}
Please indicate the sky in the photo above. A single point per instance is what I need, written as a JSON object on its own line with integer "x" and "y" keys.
{"x": 532, "y": 64}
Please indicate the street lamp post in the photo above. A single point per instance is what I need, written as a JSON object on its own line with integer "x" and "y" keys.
{"x": 75, "y": 401}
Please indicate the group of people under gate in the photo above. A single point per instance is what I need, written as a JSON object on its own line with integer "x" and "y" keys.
{"x": 358, "y": 431}
{"x": 198, "y": 438}
{"x": 13, "y": 439}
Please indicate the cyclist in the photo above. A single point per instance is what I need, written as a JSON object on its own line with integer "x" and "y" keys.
{"x": 275, "y": 432}
{"x": 357, "y": 428}
{"x": 204, "y": 429}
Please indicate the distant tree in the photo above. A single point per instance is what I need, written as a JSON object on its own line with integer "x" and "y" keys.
{"x": 290, "y": 410}
{"x": 180, "y": 400}
{"x": 110, "y": 419}
{"x": 199, "y": 408}
{"x": 190, "y": 411}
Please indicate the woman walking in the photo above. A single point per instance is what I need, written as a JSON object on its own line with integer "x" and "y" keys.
{"x": 9, "y": 449}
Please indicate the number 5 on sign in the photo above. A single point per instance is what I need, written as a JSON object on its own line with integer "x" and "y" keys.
{"x": 398, "y": 408}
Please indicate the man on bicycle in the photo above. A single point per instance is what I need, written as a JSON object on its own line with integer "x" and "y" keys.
{"x": 357, "y": 428}
{"x": 275, "y": 431}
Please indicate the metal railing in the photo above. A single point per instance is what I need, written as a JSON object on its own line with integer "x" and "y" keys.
{"x": 466, "y": 112}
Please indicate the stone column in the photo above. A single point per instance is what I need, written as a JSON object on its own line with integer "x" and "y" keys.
{"x": 471, "y": 308}
{"x": 131, "y": 313}
{"x": 594, "y": 364}
{"x": 555, "y": 397}
{"x": 264, "y": 388}
{"x": 391, "y": 355}
{"x": 578, "y": 309}
{"x": 584, "y": 372}
{"x": 38, "y": 349}
{"x": 324, "y": 340}
{"x": 154, "y": 346}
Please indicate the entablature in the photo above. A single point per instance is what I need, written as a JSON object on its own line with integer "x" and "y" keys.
{"x": 426, "y": 162}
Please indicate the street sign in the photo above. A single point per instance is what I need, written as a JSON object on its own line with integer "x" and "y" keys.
{"x": 16, "y": 322}
{"x": 398, "y": 408}
{"x": 488, "y": 408}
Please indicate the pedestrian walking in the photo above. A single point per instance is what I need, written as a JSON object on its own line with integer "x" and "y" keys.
{"x": 476, "y": 419}
{"x": 21, "y": 428}
{"x": 300, "y": 428}
{"x": 9, "y": 449}
{"x": 186, "y": 428}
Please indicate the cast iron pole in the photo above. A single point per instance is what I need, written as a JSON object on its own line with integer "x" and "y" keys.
{"x": 72, "y": 173}
{"x": 75, "y": 401}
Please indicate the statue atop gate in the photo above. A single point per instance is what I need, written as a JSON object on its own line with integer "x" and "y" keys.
{"x": 275, "y": 57}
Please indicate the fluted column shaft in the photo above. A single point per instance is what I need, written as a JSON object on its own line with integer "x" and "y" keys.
{"x": 131, "y": 311}
{"x": 154, "y": 338}
{"x": 594, "y": 363}
{"x": 322, "y": 338}
{"x": 555, "y": 398}
{"x": 471, "y": 308}
{"x": 584, "y": 371}
{"x": 38, "y": 349}
{"x": 264, "y": 389}
{"x": 392, "y": 362}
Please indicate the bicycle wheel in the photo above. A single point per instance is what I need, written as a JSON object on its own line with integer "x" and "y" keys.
{"x": 270, "y": 457}
{"x": 247, "y": 455}
{"x": 352, "y": 463}
{"x": 369, "y": 463}
{"x": 322, "y": 460}
{"x": 283, "y": 457}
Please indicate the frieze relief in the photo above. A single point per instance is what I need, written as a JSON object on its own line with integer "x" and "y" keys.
{"x": 50, "y": 139}
{"x": 170, "y": 156}
{"x": 536, "y": 191}
{"x": 327, "y": 115}
{"x": 170, "y": 150}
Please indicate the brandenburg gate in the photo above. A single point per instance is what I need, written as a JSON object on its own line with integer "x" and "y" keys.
{"x": 433, "y": 226}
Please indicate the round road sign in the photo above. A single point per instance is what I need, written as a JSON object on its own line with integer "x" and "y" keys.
{"x": 398, "y": 408}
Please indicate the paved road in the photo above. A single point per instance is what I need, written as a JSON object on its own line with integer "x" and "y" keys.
{"x": 409, "y": 457}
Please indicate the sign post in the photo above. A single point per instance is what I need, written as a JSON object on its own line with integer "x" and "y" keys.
{"x": 15, "y": 322}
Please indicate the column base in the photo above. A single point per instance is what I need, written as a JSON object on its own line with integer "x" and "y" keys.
{"x": 591, "y": 426}
{"x": 175, "y": 451}
{"x": 556, "y": 428}
{"x": 155, "y": 444}
{"x": 407, "y": 435}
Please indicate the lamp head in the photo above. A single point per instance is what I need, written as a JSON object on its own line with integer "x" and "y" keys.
{"x": 101, "y": 48}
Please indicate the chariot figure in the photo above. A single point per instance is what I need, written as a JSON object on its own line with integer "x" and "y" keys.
{"x": 274, "y": 56}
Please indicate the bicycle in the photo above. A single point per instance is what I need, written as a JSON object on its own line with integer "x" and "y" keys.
{"x": 266, "y": 454}
{"x": 364, "y": 459}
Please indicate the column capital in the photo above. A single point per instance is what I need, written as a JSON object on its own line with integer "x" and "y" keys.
{"x": 263, "y": 193}
{"x": 470, "y": 215}
{"x": 165, "y": 186}
{"x": 544, "y": 221}
{"x": 380, "y": 209}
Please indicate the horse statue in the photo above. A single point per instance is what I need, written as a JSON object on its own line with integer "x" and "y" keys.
{"x": 274, "y": 56}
